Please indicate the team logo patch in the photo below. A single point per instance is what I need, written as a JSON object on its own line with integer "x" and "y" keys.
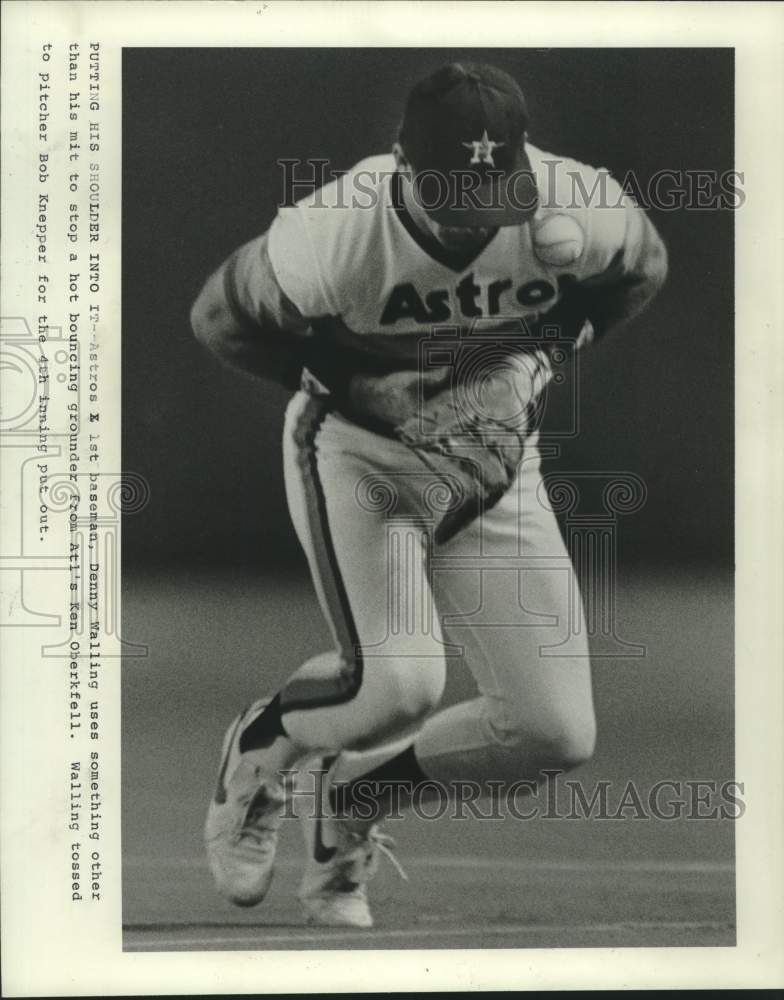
{"x": 482, "y": 149}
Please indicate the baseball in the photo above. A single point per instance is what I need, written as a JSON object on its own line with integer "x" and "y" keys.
{"x": 558, "y": 240}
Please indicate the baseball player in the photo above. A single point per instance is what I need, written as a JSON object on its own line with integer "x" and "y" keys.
{"x": 410, "y": 305}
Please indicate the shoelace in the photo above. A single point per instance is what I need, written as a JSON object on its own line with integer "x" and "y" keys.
{"x": 259, "y": 809}
{"x": 385, "y": 843}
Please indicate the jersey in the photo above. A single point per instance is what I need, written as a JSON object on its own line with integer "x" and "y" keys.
{"x": 353, "y": 264}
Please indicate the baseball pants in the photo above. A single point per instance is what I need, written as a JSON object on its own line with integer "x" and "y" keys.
{"x": 499, "y": 599}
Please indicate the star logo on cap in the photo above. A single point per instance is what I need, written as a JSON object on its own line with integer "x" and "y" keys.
{"x": 482, "y": 149}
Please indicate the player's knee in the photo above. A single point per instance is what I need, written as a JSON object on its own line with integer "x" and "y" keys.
{"x": 561, "y": 747}
{"x": 413, "y": 692}
{"x": 572, "y": 747}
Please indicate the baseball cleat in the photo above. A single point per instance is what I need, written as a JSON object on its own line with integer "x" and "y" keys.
{"x": 243, "y": 819}
{"x": 333, "y": 891}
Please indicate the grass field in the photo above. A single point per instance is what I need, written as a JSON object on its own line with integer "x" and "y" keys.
{"x": 217, "y": 641}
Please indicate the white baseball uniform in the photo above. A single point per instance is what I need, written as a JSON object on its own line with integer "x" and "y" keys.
{"x": 350, "y": 264}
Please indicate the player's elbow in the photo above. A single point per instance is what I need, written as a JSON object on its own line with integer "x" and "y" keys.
{"x": 657, "y": 264}
{"x": 209, "y": 321}
{"x": 201, "y": 325}
{"x": 653, "y": 263}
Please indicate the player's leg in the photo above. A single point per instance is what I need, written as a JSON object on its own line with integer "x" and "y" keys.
{"x": 376, "y": 684}
{"x": 379, "y": 681}
{"x": 534, "y": 707}
{"x": 533, "y": 711}
{"x": 388, "y": 670}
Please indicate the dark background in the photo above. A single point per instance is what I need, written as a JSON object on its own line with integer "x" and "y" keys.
{"x": 202, "y": 131}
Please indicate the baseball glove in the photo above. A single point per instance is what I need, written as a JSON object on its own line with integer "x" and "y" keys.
{"x": 467, "y": 423}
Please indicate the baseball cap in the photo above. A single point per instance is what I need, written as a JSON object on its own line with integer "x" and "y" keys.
{"x": 463, "y": 133}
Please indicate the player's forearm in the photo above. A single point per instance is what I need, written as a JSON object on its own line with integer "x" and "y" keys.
{"x": 258, "y": 347}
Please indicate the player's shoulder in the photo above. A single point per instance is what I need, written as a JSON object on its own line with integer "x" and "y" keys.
{"x": 351, "y": 196}
{"x": 574, "y": 194}
{"x": 318, "y": 243}
{"x": 568, "y": 185}
{"x": 346, "y": 210}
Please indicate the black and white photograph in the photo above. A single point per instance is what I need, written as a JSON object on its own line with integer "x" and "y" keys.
{"x": 391, "y": 403}
{"x": 428, "y": 363}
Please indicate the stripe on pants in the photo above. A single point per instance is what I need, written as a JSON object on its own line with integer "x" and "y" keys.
{"x": 343, "y": 685}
